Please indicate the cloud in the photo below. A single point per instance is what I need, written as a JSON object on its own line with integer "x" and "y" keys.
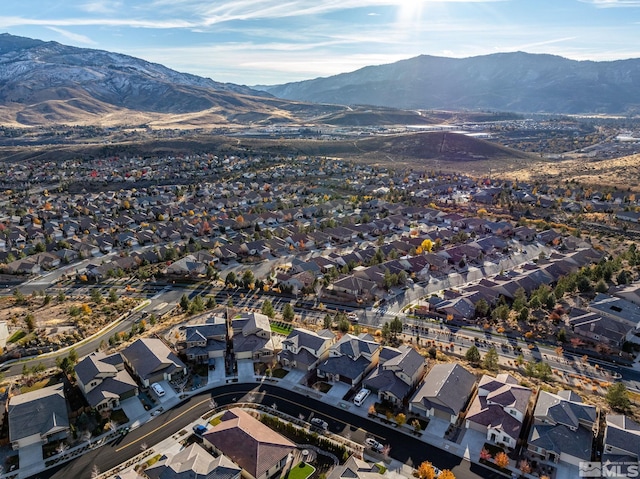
{"x": 6, "y": 22}
{"x": 613, "y": 3}
{"x": 102, "y": 7}
{"x": 74, "y": 37}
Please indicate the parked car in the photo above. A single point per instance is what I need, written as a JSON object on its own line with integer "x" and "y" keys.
{"x": 199, "y": 429}
{"x": 159, "y": 390}
{"x": 373, "y": 444}
{"x": 316, "y": 421}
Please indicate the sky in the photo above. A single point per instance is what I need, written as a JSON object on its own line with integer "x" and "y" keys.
{"x": 265, "y": 42}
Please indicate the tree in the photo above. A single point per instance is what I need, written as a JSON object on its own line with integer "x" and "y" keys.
{"x": 185, "y": 303}
{"x": 618, "y": 397}
{"x": 490, "y": 360}
{"x": 211, "y": 302}
{"x": 395, "y": 326}
{"x": 519, "y": 299}
{"x": 485, "y": 454}
{"x": 326, "y": 323}
{"x": 524, "y": 315}
{"x": 481, "y": 308}
{"x": 96, "y": 296}
{"x": 501, "y": 459}
{"x": 562, "y": 335}
{"x": 446, "y": 474}
{"x": 601, "y": 287}
{"x": 211, "y": 272}
{"x": 417, "y": 427}
{"x": 30, "y": 320}
{"x": 248, "y": 278}
{"x": 401, "y": 419}
{"x": 113, "y": 296}
{"x": 524, "y": 467}
{"x": 267, "y": 309}
{"x": 230, "y": 279}
{"x": 473, "y": 355}
{"x": 197, "y": 305}
{"x": 584, "y": 284}
{"x": 287, "y": 312}
{"x": 73, "y": 356}
{"x": 427, "y": 245}
{"x": 426, "y": 471}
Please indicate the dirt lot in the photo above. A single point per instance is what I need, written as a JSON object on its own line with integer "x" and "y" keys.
{"x": 51, "y": 323}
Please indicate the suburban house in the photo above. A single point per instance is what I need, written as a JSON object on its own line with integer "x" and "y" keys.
{"x": 399, "y": 370}
{"x": 193, "y": 462}
{"x": 104, "y": 381}
{"x": 38, "y": 417}
{"x": 206, "y": 341}
{"x": 444, "y": 392}
{"x": 355, "y": 468}
{"x": 563, "y": 428}
{"x": 303, "y": 349}
{"x": 150, "y": 360}
{"x": 355, "y": 288}
{"x": 260, "y": 451}
{"x": 499, "y": 409}
{"x": 621, "y": 439}
{"x": 350, "y": 359}
{"x": 251, "y": 337}
{"x": 600, "y": 328}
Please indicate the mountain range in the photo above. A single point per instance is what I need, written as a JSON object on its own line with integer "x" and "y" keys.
{"x": 48, "y": 83}
{"x": 44, "y": 83}
{"x": 517, "y": 82}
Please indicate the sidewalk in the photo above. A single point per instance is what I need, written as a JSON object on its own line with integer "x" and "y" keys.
{"x": 468, "y": 449}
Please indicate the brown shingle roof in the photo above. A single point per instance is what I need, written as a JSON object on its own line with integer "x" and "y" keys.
{"x": 249, "y": 443}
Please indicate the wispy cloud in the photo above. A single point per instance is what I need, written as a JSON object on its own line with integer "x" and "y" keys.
{"x": 6, "y": 22}
{"x": 613, "y": 3}
{"x": 74, "y": 37}
{"x": 102, "y": 7}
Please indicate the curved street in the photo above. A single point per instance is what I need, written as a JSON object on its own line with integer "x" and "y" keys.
{"x": 404, "y": 448}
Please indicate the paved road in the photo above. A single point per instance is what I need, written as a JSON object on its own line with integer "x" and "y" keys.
{"x": 403, "y": 447}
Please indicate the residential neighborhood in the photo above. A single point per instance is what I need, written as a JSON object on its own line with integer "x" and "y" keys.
{"x": 470, "y": 315}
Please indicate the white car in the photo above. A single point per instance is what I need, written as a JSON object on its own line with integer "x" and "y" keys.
{"x": 373, "y": 444}
{"x": 159, "y": 390}
{"x": 316, "y": 421}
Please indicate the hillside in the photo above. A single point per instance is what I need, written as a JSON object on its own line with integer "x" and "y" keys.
{"x": 44, "y": 83}
{"x": 518, "y": 82}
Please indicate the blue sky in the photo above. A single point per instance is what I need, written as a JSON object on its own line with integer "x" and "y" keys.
{"x": 276, "y": 41}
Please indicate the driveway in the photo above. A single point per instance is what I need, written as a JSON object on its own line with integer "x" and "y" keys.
{"x": 217, "y": 375}
{"x": 437, "y": 426}
{"x": 294, "y": 376}
{"x": 472, "y": 443}
{"x": 133, "y": 408}
{"x": 246, "y": 372}
{"x": 337, "y": 392}
{"x": 169, "y": 393}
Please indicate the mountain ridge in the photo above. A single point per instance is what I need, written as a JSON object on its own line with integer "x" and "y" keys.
{"x": 517, "y": 81}
{"x": 48, "y": 82}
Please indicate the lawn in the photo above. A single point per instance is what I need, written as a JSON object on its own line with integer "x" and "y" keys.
{"x": 36, "y": 385}
{"x": 19, "y": 334}
{"x": 322, "y": 386}
{"x": 301, "y": 471}
{"x": 119, "y": 416}
{"x": 279, "y": 373}
{"x": 280, "y": 328}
